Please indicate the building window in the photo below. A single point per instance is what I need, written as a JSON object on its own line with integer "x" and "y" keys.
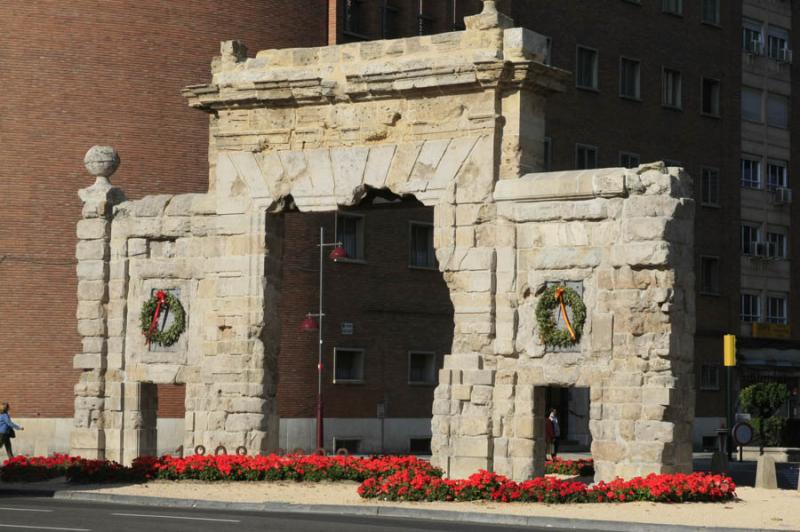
{"x": 585, "y": 157}
{"x": 709, "y": 377}
{"x": 709, "y": 275}
{"x": 711, "y": 92}
{"x": 751, "y": 237}
{"x": 751, "y": 104}
{"x": 777, "y": 110}
{"x": 421, "y": 367}
{"x": 419, "y": 446}
{"x": 751, "y": 172}
{"x": 354, "y": 16}
{"x": 711, "y": 12}
{"x": 710, "y": 184}
{"x": 776, "y": 243}
{"x": 350, "y": 232}
{"x": 778, "y": 44}
{"x": 348, "y": 365}
{"x": 672, "y": 163}
{"x": 586, "y": 69}
{"x": 629, "y": 78}
{"x": 776, "y": 310}
{"x": 672, "y": 6}
{"x": 751, "y": 308}
{"x": 671, "y": 84}
{"x": 351, "y": 445}
{"x": 777, "y": 175}
{"x": 421, "y": 252}
{"x": 752, "y": 39}
{"x": 548, "y": 154}
{"x": 390, "y": 22}
{"x": 628, "y": 159}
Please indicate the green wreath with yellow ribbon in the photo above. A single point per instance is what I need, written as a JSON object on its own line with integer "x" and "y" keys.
{"x": 560, "y": 297}
{"x": 161, "y": 302}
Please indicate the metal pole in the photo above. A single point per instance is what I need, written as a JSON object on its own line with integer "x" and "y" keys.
{"x": 729, "y": 410}
{"x": 320, "y": 429}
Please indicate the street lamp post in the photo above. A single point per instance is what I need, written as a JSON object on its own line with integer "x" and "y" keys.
{"x": 309, "y": 324}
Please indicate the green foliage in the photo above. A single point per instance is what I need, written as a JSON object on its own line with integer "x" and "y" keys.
{"x": 763, "y": 399}
{"x": 551, "y": 335}
{"x": 774, "y": 430}
{"x": 168, "y": 336}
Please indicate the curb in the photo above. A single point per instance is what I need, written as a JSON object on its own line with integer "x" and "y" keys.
{"x": 385, "y": 511}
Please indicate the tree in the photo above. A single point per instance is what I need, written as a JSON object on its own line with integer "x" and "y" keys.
{"x": 762, "y": 400}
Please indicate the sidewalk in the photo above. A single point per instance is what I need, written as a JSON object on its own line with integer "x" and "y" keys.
{"x": 757, "y": 509}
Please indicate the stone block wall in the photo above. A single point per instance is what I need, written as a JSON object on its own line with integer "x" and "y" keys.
{"x": 625, "y": 237}
{"x": 457, "y": 121}
{"x": 176, "y": 243}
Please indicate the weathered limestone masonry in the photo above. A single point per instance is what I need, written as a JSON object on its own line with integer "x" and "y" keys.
{"x": 625, "y": 238}
{"x": 456, "y": 120}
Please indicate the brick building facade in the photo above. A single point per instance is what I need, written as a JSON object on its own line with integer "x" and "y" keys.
{"x": 78, "y": 74}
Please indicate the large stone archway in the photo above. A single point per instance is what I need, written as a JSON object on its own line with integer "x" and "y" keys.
{"x": 456, "y": 120}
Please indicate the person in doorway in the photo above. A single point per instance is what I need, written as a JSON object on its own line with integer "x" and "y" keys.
{"x": 7, "y": 428}
{"x": 556, "y": 431}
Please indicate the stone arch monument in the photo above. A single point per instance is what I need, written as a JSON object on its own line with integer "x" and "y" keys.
{"x": 457, "y": 121}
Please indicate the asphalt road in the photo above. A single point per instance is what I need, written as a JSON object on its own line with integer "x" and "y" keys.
{"x": 45, "y": 514}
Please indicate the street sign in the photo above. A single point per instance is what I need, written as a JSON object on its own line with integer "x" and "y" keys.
{"x": 742, "y": 434}
{"x": 729, "y": 348}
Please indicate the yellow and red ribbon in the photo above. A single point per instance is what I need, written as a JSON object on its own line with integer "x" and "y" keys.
{"x": 560, "y": 298}
{"x": 161, "y": 296}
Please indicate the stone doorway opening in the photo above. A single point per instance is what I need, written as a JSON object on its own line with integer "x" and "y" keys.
{"x": 388, "y": 325}
{"x": 157, "y": 414}
{"x": 573, "y": 409}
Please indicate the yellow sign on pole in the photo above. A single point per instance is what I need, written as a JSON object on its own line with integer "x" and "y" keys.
{"x": 729, "y": 344}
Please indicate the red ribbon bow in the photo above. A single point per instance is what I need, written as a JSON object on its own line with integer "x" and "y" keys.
{"x": 161, "y": 296}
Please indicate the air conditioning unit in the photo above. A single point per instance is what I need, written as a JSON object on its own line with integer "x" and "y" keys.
{"x": 761, "y": 249}
{"x": 782, "y": 196}
{"x": 784, "y": 56}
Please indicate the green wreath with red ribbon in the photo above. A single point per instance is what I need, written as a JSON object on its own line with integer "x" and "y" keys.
{"x": 155, "y": 307}
{"x": 560, "y": 297}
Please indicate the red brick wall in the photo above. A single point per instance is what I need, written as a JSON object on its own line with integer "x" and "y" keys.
{"x": 394, "y": 309}
{"x": 85, "y": 72}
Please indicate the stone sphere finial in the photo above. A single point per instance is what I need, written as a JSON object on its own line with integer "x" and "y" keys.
{"x": 489, "y": 6}
{"x": 101, "y": 161}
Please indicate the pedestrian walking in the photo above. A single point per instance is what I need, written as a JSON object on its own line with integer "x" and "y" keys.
{"x": 556, "y": 431}
{"x": 7, "y": 428}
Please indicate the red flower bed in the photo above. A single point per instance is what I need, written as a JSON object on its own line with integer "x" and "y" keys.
{"x": 405, "y": 478}
{"x": 309, "y": 468}
{"x": 559, "y": 466}
{"x": 35, "y": 468}
{"x": 415, "y": 485}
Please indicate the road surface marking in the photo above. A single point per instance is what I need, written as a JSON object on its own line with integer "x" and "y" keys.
{"x": 179, "y": 517}
{"x": 25, "y": 509}
{"x": 30, "y": 527}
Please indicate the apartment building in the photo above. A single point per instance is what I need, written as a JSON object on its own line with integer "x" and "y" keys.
{"x": 769, "y": 347}
{"x": 716, "y": 78}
